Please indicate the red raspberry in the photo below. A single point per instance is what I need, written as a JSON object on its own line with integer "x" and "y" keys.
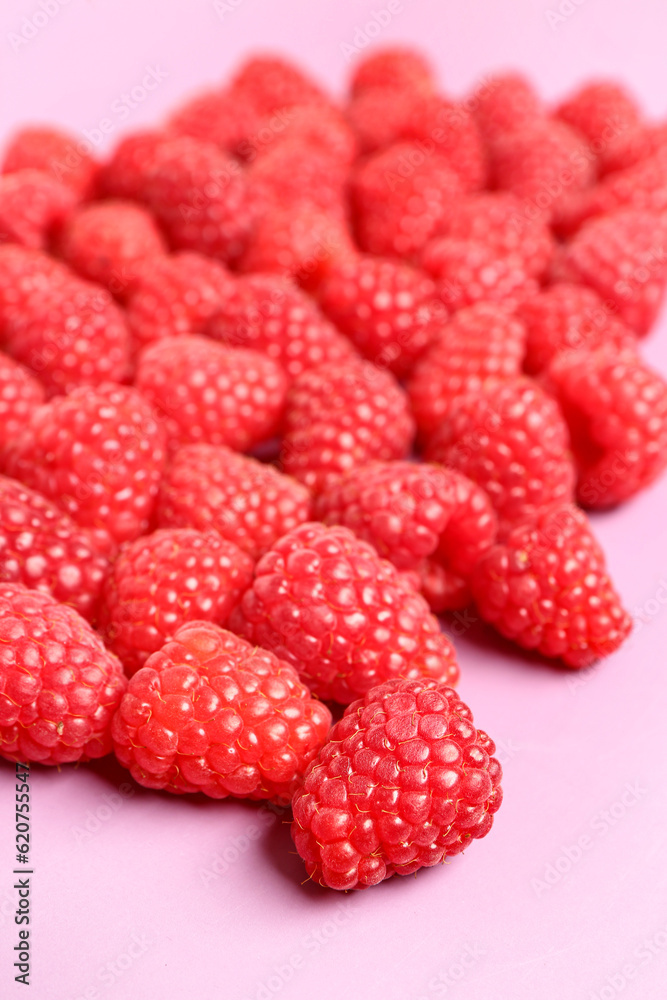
{"x": 395, "y": 66}
{"x": 209, "y": 713}
{"x": 269, "y": 84}
{"x": 294, "y": 172}
{"x": 601, "y": 110}
{"x": 211, "y": 488}
{"x": 20, "y": 395}
{"x": 59, "y": 686}
{"x": 107, "y": 241}
{"x": 43, "y": 549}
{"x": 512, "y": 441}
{"x": 33, "y": 206}
{"x": 401, "y": 196}
{"x": 386, "y": 308}
{"x": 616, "y": 408}
{"x": 403, "y": 782}
{"x": 56, "y": 153}
{"x": 218, "y": 117}
{"x": 480, "y": 344}
{"x": 421, "y": 517}
{"x": 321, "y": 128}
{"x": 324, "y": 601}
{"x": 176, "y": 294}
{"x": 125, "y": 174}
{"x": 97, "y": 453}
{"x": 621, "y": 256}
{"x": 547, "y": 588}
{"x": 633, "y": 145}
{"x": 467, "y": 272}
{"x": 505, "y": 103}
{"x": 211, "y": 393}
{"x": 341, "y": 416}
{"x": 567, "y": 316}
{"x": 25, "y": 277}
{"x": 268, "y": 313}
{"x": 164, "y": 580}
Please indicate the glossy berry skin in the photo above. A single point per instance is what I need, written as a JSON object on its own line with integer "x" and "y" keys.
{"x": 59, "y": 686}
{"x": 43, "y": 549}
{"x": 512, "y": 441}
{"x": 338, "y": 417}
{"x": 404, "y": 782}
{"x": 295, "y": 170}
{"x": 548, "y": 589}
{"x": 161, "y": 581}
{"x": 479, "y": 345}
{"x": 616, "y": 408}
{"x": 211, "y": 488}
{"x": 213, "y": 394}
{"x": 420, "y": 517}
{"x": 210, "y": 713}
{"x": 33, "y": 205}
{"x": 57, "y": 154}
{"x": 20, "y": 394}
{"x": 328, "y": 604}
{"x": 469, "y": 271}
{"x": 98, "y": 454}
{"x": 508, "y": 103}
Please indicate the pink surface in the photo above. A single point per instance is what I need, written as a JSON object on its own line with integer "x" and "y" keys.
{"x": 139, "y": 895}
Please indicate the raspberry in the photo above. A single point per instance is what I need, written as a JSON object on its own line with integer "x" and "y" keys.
{"x": 59, "y": 686}
{"x": 20, "y": 395}
{"x": 621, "y": 256}
{"x": 98, "y": 454}
{"x": 43, "y": 549}
{"x": 386, "y": 308}
{"x": 547, "y": 588}
{"x": 467, "y": 272}
{"x": 479, "y": 344}
{"x": 403, "y": 782}
{"x": 107, "y": 241}
{"x": 567, "y": 316}
{"x": 512, "y": 441}
{"x": 217, "y": 117}
{"x": 211, "y": 393}
{"x": 505, "y": 103}
{"x": 125, "y": 174}
{"x": 268, "y": 313}
{"x": 56, "y": 153}
{"x": 601, "y": 110}
{"x": 33, "y": 205}
{"x": 211, "y": 488}
{"x": 209, "y": 713}
{"x": 401, "y": 196}
{"x": 616, "y": 408}
{"x": 268, "y": 84}
{"x": 422, "y": 517}
{"x": 321, "y": 128}
{"x": 633, "y": 145}
{"x": 324, "y": 601}
{"x": 294, "y": 172}
{"x": 395, "y": 66}
{"x": 162, "y": 581}
{"x": 341, "y": 416}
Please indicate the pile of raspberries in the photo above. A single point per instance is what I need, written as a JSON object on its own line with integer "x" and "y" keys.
{"x": 282, "y": 380}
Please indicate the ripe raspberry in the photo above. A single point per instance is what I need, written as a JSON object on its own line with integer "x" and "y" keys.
{"x": 512, "y": 441}
{"x": 43, "y": 549}
{"x": 467, "y": 272}
{"x": 341, "y": 416}
{"x": 564, "y": 317}
{"x": 33, "y": 205}
{"x": 394, "y": 66}
{"x": 386, "y": 308}
{"x": 269, "y": 84}
{"x": 125, "y": 174}
{"x": 59, "y": 686}
{"x": 621, "y": 256}
{"x": 480, "y": 344}
{"x": 25, "y": 276}
{"x": 217, "y": 117}
{"x": 207, "y": 392}
{"x": 616, "y": 408}
{"x": 505, "y": 103}
{"x": 209, "y": 713}
{"x": 401, "y": 197}
{"x": 422, "y": 518}
{"x": 324, "y": 601}
{"x": 632, "y": 146}
{"x": 321, "y": 128}
{"x": 601, "y": 110}
{"x": 547, "y": 588}
{"x": 403, "y": 782}
{"x": 20, "y": 395}
{"x": 98, "y": 454}
{"x": 107, "y": 241}
{"x": 211, "y": 488}
{"x": 56, "y": 153}
{"x": 269, "y": 314}
{"x": 295, "y": 172}
{"x": 161, "y": 581}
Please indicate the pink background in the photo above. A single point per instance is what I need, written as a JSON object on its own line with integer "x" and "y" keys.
{"x": 143, "y": 895}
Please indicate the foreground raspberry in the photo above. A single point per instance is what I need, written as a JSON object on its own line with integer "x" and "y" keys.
{"x": 162, "y": 581}
{"x": 470, "y": 271}
{"x": 423, "y": 518}
{"x": 20, "y": 395}
{"x": 505, "y": 103}
{"x": 601, "y": 110}
{"x": 57, "y": 153}
{"x": 547, "y": 588}
{"x": 33, "y": 205}
{"x": 210, "y": 713}
{"x": 404, "y": 782}
{"x": 209, "y": 487}
{"x": 324, "y": 601}
{"x": 59, "y": 686}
